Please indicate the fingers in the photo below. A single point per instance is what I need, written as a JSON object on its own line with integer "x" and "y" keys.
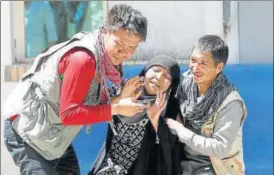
{"x": 128, "y": 107}
{"x": 157, "y": 101}
{"x": 128, "y": 83}
{"x": 162, "y": 100}
{"x": 160, "y": 96}
{"x": 131, "y": 87}
{"x": 161, "y": 85}
{"x": 170, "y": 125}
{"x": 173, "y": 124}
{"x": 170, "y": 122}
{"x": 148, "y": 105}
{"x": 137, "y": 95}
{"x": 138, "y": 82}
{"x": 163, "y": 106}
{"x": 135, "y": 81}
{"x": 138, "y": 108}
{"x": 137, "y": 86}
{"x": 134, "y": 100}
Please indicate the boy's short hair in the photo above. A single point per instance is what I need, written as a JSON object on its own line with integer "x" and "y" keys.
{"x": 122, "y": 15}
{"x": 216, "y": 46}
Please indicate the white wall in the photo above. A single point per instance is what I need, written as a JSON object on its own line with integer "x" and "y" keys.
{"x": 256, "y": 31}
{"x": 232, "y": 37}
{"x": 174, "y": 26}
{"x": 6, "y": 51}
{"x": 7, "y": 165}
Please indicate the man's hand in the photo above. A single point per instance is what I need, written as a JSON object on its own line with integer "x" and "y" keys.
{"x": 126, "y": 103}
{"x": 156, "y": 109}
{"x": 127, "y": 107}
{"x": 174, "y": 126}
{"x": 131, "y": 87}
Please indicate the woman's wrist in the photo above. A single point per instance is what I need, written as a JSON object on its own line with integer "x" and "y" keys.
{"x": 155, "y": 124}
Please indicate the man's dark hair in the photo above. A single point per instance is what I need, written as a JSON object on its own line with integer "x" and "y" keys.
{"x": 122, "y": 15}
{"x": 216, "y": 46}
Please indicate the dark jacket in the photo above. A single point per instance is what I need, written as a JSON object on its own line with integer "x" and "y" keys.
{"x": 153, "y": 159}
{"x": 162, "y": 158}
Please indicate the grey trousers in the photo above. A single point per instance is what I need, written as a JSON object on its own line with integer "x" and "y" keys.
{"x": 32, "y": 163}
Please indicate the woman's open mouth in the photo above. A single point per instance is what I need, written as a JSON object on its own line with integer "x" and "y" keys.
{"x": 197, "y": 75}
{"x": 155, "y": 84}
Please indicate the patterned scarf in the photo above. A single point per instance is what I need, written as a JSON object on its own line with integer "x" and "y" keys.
{"x": 108, "y": 71}
{"x": 123, "y": 147}
{"x": 198, "y": 112}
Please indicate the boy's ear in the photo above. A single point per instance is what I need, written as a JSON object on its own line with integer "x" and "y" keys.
{"x": 219, "y": 68}
{"x": 105, "y": 30}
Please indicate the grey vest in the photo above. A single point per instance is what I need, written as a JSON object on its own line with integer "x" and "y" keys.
{"x": 36, "y": 100}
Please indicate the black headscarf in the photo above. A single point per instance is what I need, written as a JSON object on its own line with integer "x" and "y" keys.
{"x": 170, "y": 65}
{"x": 163, "y": 158}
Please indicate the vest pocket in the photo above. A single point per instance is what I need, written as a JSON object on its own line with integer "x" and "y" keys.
{"x": 230, "y": 157}
{"x": 42, "y": 124}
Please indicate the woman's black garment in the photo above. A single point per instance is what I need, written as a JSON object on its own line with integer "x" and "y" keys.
{"x": 123, "y": 147}
{"x": 161, "y": 158}
{"x": 152, "y": 154}
{"x": 158, "y": 159}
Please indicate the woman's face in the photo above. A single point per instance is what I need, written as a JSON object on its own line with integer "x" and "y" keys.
{"x": 157, "y": 78}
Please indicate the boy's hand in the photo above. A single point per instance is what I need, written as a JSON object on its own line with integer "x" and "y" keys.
{"x": 174, "y": 126}
{"x": 127, "y": 107}
{"x": 131, "y": 87}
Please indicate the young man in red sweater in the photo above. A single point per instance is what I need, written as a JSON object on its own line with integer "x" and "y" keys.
{"x": 66, "y": 88}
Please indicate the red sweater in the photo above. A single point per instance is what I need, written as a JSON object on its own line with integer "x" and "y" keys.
{"x": 77, "y": 68}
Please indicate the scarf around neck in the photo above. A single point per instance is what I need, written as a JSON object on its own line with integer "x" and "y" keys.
{"x": 108, "y": 71}
{"x": 195, "y": 111}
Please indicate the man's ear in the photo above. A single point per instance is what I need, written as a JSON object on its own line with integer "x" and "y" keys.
{"x": 219, "y": 68}
{"x": 105, "y": 30}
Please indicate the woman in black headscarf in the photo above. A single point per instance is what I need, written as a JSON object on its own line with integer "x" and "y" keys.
{"x": 143, "y": 144}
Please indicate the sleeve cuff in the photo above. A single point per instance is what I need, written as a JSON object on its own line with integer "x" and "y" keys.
{"x": 105, "y": 112}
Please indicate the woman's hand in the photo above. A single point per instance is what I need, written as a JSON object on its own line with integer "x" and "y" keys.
{"x": 156, "y": 109}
